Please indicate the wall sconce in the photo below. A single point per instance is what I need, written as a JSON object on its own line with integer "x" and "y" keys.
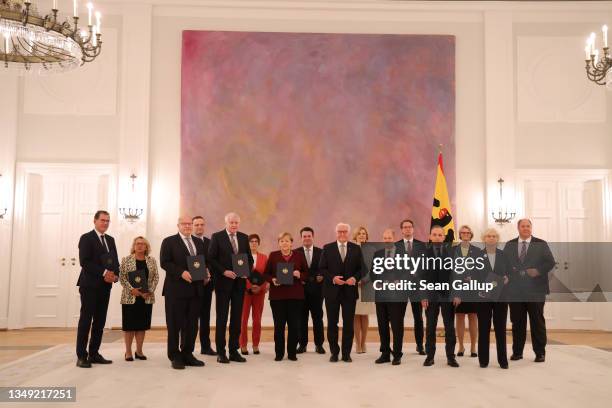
{"x": 130, "y": 214}
{"x": 3, "y": 211}
{"x": 502, "y": 215}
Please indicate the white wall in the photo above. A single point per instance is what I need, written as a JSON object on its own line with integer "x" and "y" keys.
{"x": 504, "y": 120}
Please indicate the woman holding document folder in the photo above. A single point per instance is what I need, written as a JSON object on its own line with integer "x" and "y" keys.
{"x": 139, "y": 277}
{"x": 287, "y": 271}
{"x": 492, "y": 306}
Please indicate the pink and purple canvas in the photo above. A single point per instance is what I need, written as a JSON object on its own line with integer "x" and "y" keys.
{"x": 292, "y": 129}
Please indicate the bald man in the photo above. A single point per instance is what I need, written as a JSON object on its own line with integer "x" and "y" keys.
{"x": 182, "y": 295}
{"x": 390, "y": 305}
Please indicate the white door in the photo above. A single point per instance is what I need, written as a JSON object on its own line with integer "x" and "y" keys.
{"x": 567, "y": 209}
{"x": 58, "y": 204}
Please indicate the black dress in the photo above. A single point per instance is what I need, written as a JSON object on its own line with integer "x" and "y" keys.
{"x": 137, "y": 317}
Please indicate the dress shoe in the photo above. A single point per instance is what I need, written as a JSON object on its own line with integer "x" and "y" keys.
{"x": 292, "y": 358}
{"x": 208, "y": 352}
{"x": 234, "y": 356}
{"x": 140, "y": 356}
{"x": 301, "y": 349}
{"x": 333, "y": 358}
{"x": 178, "y": 364}
{"x": 98, "y": 359}
{"x": 222, "y": 358}
{"x": 483, "y": 365}
{"x": 539, "y": 358}
{"x": 83, "y": 363}
{"x": 255, "y": 350}
{"x": 244, "y": 352}
{"x": 460, "y": 354}
{"x": 515, "y": 357}
{"x": 429, "y": 361}
{"x": 473, "y": 354}
{"x": 278, "y": 358}
{"x": 384, "y": 358}
{"x": 396, "y": 361}
{"x": 452, "y": 362}
{"x": 422, "y": 352}
{"x": 347, "y": 359}
{"x": 320, "y": 350}
{"x": 191, "y": 361}
{"x": 504, "y": 366}
{"x": 128, "y": 358}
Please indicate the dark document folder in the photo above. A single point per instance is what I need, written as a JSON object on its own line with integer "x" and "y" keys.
{"x": 108, "y": 260}
{"x": 284, "y": 273}
{"x": 498, "y": 286}
{"x": 240, "y": 265}
{"x": 138, "y": 280}
{"x": 197, "y": 268}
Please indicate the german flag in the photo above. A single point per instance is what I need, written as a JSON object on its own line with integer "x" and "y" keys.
{"x": 441, "y": 211}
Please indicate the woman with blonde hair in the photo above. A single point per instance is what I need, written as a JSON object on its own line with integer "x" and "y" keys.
{"x": 137, "y": 303}
{"x": 363, "y": 310}
{"x": 286, "y": 300}
{"x": 465, "y": 249}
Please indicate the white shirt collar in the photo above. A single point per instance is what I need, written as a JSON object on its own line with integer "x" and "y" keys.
{"x": 99, "y": 233}
{"x": 199, "y": 236}
{"x": 342, "y": 243}
{"x": 229, "y": 234}
{"x": 411, "y": 239}
{"x": 528, "y": 240}
{"x": 185, "y": 237}
{"x": 309, "y": 248}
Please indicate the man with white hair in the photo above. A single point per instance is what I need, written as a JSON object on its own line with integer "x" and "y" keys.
{"x": 342, "y": 266}
{"x": 229, "y": 288}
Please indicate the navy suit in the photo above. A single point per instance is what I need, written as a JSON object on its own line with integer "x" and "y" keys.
{"x": 94, "y": 291}
{"x": 313, "y": 301}
{"x": 418, "y": 248}
{"x": 341, "y": 296}
{"x": 229, "y": 292}
{"x": 182, "y": 298}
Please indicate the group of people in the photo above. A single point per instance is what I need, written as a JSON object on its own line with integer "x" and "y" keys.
{"x": 333, "y": 276}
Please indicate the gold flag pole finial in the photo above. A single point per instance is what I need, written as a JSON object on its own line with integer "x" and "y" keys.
{"x": 440, "y": 148}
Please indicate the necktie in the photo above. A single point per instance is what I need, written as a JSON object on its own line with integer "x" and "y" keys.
{"x": 308, "y": 256}
{"x": 409, "y": 248}
{"x": 388, "y": 252}
{"x": 523, "y": 251}
{"x": 342, "y": 251}
{"x": 190, "y": 247}
{"x": 234, "y": 243}
{"x": 104, "y": 243}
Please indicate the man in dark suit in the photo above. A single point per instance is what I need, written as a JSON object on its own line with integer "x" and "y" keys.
{"x": 199, "y": 224}
{"x": 342, "y": 267}
{"x": 183, "y": 296}
{"x": 313, "y": 294}
{"x": 390, "y": 304}
{"x": 436, "y": 302}
{"x": 99, "y": 270}
{"x": 530, "y": 263}
{"x": 413, "y": 248}
{"x": 229, "y": 289}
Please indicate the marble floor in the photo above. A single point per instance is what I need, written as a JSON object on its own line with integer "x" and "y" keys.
{"x": 573, "y": 375}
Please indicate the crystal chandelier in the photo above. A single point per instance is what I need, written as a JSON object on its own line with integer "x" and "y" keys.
{"x": 599, "y": 65}
{"x": 31, "y": 41}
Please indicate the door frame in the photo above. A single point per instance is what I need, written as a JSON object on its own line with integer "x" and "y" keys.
{"x": 603, "y": 175}
{"x": 561, "y": 313}
{"x": 18, "y": 281}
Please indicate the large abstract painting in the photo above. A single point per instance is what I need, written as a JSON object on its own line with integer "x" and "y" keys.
{"x": 293, "y": 129}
